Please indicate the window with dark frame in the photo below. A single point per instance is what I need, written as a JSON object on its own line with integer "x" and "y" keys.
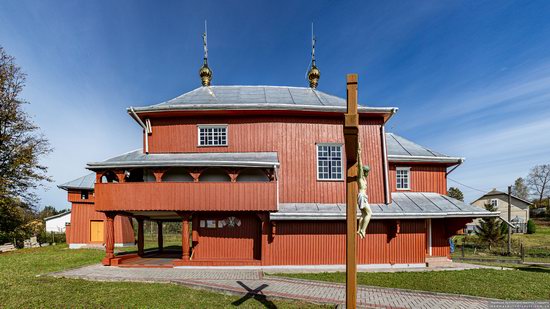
{"x": 84, "y": 195}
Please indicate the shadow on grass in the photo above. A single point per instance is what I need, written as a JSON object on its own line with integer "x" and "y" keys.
{"x": 255, "y": 294}
{"x": 535, "y": 269}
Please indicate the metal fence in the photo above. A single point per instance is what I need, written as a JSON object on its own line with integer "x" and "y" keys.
{"x": 471, "y": 248}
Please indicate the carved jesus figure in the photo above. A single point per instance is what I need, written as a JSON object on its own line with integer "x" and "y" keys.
{"x": 362, "y": 197}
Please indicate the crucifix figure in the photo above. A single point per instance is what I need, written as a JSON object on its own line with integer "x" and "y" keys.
{"x": 362, "y": 197}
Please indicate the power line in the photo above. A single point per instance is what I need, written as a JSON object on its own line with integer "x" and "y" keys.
{"x": 482, "y": 191}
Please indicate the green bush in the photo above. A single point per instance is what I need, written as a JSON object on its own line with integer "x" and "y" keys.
{"x": 531, "y": 227}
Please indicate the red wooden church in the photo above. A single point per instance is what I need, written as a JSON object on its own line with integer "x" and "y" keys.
{"x": 256, "y": 176}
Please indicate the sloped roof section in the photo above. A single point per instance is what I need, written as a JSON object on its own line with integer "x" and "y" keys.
{"x": 137, "y": 158}
{"x": 257, "y": 98}
{"x": 495, "y": 192}
{"x": 83, "y": 183}
{"x": 401, "y": 149}
{"x": 405, "y": 205}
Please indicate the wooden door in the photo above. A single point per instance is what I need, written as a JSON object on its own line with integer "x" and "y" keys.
{"x": 96, "y": 231}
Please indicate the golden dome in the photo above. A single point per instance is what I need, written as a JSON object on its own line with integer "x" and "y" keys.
{"x": 206, "y": 74}
{"x": 313, "y": 75}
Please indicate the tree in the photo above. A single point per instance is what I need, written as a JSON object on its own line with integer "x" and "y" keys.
{"x": 490, "y": 230}
{"x": 455, "y": 193}
{"x": 520, "y": 189}
{"x": 21, "y": 147}
{"x": 48, "y": 211}
{"x": 539, "y": 181}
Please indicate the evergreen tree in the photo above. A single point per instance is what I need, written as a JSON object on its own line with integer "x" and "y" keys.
{"x": 455, "y": 193}
{"x": 490, "y": 229}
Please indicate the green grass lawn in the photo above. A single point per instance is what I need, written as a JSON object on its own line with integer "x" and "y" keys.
{"x": 21, "y": 287}
{"x": 523, "y": 283}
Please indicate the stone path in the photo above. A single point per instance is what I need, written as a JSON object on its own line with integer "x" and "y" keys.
{"x": 253, "y": 284}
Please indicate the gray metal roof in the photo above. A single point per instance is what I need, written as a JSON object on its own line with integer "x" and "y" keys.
{"x": 405, "y": 205}
{"x": 257, "y": 98}
{"x": 401, "y": 149}
{"x": 137, "y": 158}
{"x": 68, "y": 212}
{"x": 84, "y": 182}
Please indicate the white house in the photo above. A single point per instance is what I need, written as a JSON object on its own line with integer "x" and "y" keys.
{"x": 57, "y": 223}
{"x": 520, "y": 209}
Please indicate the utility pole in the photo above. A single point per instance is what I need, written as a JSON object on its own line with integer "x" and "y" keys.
{"x": 351, "y": 130}
{"x": 509, "y": 220}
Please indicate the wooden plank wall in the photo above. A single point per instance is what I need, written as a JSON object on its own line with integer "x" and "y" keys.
{"x": 83, "y": 213}
{"x": 293, "y": 138}
{"x": 196, "y": 196}
{"x": 424, "y": 178}
{"x": 440, "y": 241}
{"x": 317, "y": 243}
{"x": 227, "y": 243}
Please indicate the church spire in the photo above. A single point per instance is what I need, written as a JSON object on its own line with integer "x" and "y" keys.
{"x": 205, "y": 73}
{"x": 313, "y": 74}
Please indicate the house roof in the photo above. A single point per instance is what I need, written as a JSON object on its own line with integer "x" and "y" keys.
{"x": 401, "y": 149}
{"x": 137, "y": 158}
{"x": 405, "y": 205}
{"x": 495, "y": 192}
{"x": 58, "y": 215}
{"x": 84, "y": 182}
{"x": 257, "y": 98}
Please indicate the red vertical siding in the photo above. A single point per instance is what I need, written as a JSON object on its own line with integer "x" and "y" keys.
{"x": 317, "y": 243}
{"x": 82, "y": 214}
{"x": 440, "y": 241}
{"x": 293, "y": 138}
{"x": 424, "y": 178}
{"x": 229, "y": 243}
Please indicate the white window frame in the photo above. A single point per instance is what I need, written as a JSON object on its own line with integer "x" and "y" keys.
{"x": 406, "y": 169}
{"x": 341, "y": 161}
{"x": 212, "y": 126}
{"x": 496, "y": 202}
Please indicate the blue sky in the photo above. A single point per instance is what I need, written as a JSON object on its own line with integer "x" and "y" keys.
{"x": 471, "y": 78}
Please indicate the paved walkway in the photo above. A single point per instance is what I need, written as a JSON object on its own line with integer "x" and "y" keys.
{"x": 253, "y": 284}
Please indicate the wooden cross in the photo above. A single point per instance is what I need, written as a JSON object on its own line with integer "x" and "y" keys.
{"x": 351, "y": 130}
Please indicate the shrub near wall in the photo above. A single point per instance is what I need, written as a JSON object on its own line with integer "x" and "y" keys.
{"x": 531, "y": 227}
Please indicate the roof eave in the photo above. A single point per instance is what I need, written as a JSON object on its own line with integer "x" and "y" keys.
{"x": 425, "y": 159}
{"x": 342, "y": 216}
{"x": 93, "y": 166}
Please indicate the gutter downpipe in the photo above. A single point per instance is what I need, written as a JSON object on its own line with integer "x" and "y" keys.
{"x": 386, "y": 167}
{"x": 145, "y": 134}
{"x": 456, "y": 166}
{"x": 387, "y": 196}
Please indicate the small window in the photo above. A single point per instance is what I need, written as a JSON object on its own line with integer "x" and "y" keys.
{"x": 213, "y": 135}
{"x": 402, "y": 176}
{"x": 494, "y": 202}
{"x": 84, "y": 195}
{"x": 329, "y": 162}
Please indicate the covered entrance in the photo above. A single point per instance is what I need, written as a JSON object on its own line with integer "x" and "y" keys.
{"x": 207, "y": 238}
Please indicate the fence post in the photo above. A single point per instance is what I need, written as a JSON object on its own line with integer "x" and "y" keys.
{"x": 522, "y": 252}
{"x": 463, "y": 244}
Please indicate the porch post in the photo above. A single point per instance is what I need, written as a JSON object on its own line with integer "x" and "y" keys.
{"x": 159, "y": 236}
{"x": 264, "y": 218}
{"x": 140, "y": 236}
{"x": 109, "y": 238}
{"x": 185, "y": 236}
